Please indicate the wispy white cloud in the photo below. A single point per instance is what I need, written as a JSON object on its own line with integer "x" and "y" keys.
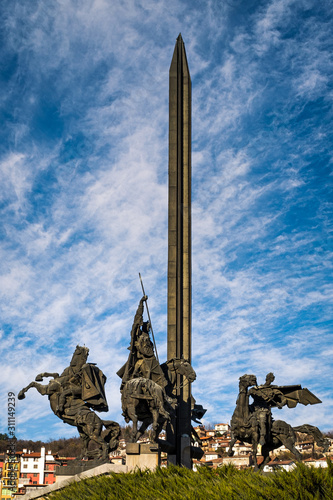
{"x": 83, "y": 170}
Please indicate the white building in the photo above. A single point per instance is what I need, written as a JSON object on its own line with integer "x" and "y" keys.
{"x": 287, "y": 465}
{"x": 221, "y": 427}
{"x": 33, "y": 465}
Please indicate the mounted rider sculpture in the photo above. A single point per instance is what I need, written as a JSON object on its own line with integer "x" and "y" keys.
{"x": 74, "y": 397}
{"x": 253, "y": 423}
{"x": 148, "y": 388}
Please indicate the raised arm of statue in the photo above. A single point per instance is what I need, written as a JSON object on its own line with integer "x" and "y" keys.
{"x": 138, "y": 318}
{"x": 126, "y": 371}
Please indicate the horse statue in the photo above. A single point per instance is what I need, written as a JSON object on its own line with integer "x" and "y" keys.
{"x": 73, "y": 396}
{"x": 255, "y": 425}
{"x": 146, "y": 401}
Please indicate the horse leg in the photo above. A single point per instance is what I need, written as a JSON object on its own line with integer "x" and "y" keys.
{"x": 85, "y": 442}
{"x": 42, "y": 389}
{"x": 160, "y": 424}
{"x": 255, "y": 439}
{"x": 265, "y": 454}
{"x": 155, "y": 415}
{"x": 40, "y": 376}
{"x": 231, "y": 444}
{"x": 145, "y": 424}
{"x": 289, "y": 442}
{"x": 254, "y": 453}
{"x": 131, "y": 413}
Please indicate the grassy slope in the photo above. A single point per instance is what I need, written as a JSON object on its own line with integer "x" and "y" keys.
{"x": 176, "y": 483}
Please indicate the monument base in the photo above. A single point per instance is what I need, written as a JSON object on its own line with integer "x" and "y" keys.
{"x": 78, "y": 466}
{"x": 185, "y": 458}
{"x": 104, "y": 469}
{"x": 143, "y": 456}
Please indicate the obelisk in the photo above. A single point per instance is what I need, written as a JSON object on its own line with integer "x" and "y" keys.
{"x": 179, "y": 244}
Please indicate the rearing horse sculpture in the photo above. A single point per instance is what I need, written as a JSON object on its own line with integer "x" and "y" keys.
{"x": 73, "y": 396}
{"x": 245, "y": 424}
{"x": 145, "y": 401}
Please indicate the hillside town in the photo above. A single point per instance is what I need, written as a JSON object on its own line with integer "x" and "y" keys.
{"x": 32, "y": 469}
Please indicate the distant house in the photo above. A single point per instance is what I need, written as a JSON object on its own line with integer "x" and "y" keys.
{"x": 276, "y": 464}
{"x": 200, "y": 430}
{"x": 38, "y": 468}
{"x": 221, "y": 427}
{"x": 10, "y": 475}
{"x": 217, "y": 462}
{"x": 209, "y": 456}
{"x": 241, "y": 448}
{"x": 221, "y": 442}
{"x": 50, "y": 470}
{"x": 117, "y": 460}
{"x": 207, "y": 442}
{"x": 316, "y": 462}
{"x": 305, "y": 446}
{"x": 240, "y": 462}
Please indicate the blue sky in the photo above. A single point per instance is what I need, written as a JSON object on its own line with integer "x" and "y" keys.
{"x": 83, "y": 200}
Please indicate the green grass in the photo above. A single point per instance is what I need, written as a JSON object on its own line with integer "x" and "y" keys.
{"x": 176, "y": 483}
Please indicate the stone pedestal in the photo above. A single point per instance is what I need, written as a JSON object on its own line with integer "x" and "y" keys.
{"x": 64, "y": 481}
{"x": 76, "y": 467}
{"x": 185, "y": 447}
{"x": 143, "y": 456}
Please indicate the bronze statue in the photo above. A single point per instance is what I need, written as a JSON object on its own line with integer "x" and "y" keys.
{"x": 148, "y": 388}
{"x": 254, "y": 423}
{"x": 73, "y": 396}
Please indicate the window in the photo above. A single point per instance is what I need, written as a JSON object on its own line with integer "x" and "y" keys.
{"x": 35, "y": 475}
{"x": 36, "y": 466}
{"x": 25, "y": 466}
{"x": 34, "y": 482}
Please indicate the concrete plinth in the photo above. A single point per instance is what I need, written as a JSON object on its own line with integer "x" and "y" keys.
{"x": 143, "y": 456}
{"x": 96, "y": 471}
{"x": 72, "y": 469}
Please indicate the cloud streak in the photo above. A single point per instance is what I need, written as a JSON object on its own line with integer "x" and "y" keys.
{"x": 83, "y": 171}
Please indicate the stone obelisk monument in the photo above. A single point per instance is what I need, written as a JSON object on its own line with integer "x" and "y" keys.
{"x": 179, "y": 244}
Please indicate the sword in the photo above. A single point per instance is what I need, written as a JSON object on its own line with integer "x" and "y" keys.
{"x": 151, "y": 326}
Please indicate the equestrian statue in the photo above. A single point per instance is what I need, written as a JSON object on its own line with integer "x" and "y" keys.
{"x": 74, "y": 397}
{"x": 148, "y": 389}
{"x": 253, "y": 423}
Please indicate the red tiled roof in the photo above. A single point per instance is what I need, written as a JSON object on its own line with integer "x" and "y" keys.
{"x": 323, "y": 459}
{"x": 281, "y": 462}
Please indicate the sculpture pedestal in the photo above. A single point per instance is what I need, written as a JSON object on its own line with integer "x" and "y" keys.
{"x": 64, "y": 481}
{"x": 76, "y": 467}
{"x": 143, "y": 456}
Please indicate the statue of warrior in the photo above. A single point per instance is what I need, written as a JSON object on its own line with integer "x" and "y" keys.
{"x": 264, "y": 397}
{"x": 142, "y": 362}
{"x": 74, "y": 397}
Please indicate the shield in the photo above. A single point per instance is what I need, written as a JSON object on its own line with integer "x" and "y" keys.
{"x": 93, "y": 381}
{"x": 294, "y": 394}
